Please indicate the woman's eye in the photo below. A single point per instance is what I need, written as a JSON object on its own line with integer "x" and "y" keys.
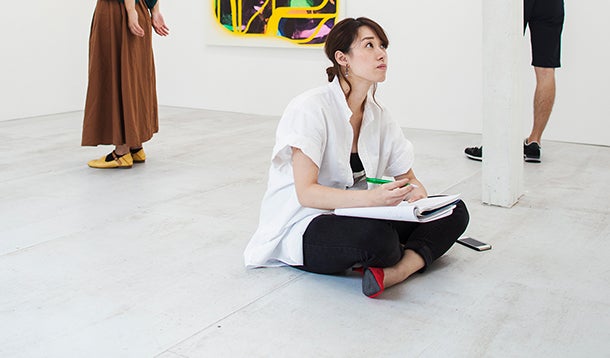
{"x": 369, "y": 45}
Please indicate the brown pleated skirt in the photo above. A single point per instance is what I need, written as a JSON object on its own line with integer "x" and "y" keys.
{"x": 121, "y": 104}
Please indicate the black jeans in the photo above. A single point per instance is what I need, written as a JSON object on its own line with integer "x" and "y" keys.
{"x": 333, "y": 244}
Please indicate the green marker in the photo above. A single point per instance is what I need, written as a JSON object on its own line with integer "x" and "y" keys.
{"x": 384, "y": 181}
{"x": 377, "y": 181}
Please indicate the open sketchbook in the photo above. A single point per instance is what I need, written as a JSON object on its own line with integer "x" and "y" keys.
{"x": 423, "y": 210}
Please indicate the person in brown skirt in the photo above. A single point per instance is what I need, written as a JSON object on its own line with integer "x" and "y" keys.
{"x": 121, "y": 104}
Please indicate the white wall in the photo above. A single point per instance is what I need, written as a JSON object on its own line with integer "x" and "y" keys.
{"x": 434, "y": 78}
{"x": 582, "y": 106}
{"x": 43, "y": 63}
{"x": 434, "y": 74}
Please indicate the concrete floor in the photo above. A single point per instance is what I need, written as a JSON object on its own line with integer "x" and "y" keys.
{"x": 147, "y": 262}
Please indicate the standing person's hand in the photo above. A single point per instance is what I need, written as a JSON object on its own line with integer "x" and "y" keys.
{"x": 133, "y": 24}
{"x": 158, "y": 23}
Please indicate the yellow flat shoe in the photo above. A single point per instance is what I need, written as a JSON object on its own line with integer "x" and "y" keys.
{"x": 122, "y": 162}
{"x": 139, "y": 156}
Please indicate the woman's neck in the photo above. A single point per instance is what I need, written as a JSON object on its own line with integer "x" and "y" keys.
{"x": 357, "y": 94}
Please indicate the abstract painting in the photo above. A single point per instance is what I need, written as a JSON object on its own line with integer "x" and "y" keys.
{"x": 297, "y": 22}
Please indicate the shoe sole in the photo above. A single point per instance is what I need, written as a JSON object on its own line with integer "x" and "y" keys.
{"x": 531, "y": 160}
{"x": 129, "y": 167}
{"x": 370, "y": 287}
{"x": 528, "y": 160}
{"x": 479, "y": 159}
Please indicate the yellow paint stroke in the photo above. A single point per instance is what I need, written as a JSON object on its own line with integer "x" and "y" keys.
{"x": 260, "y": 11}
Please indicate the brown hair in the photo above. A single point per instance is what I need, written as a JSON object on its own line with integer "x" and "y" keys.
{"x": 341, "y": 37}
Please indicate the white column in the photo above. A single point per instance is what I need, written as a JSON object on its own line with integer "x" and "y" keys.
{"x": 502, "y": 102}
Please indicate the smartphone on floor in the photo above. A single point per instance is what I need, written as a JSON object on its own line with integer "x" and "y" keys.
{"x": 473, "y": 244}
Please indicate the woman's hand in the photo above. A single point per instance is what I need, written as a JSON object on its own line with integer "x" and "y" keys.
{"x": 311, "y": 194}
{"x": 416, "y": 193}
{"x": 133, "y": 24}
{"x": 391, "y": 194}
{"x": 158, "y": 23}
{"x": 417, "y": 188}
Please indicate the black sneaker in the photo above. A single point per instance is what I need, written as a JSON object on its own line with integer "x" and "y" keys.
{"x": 531, "y": 152}
{"x": 474, "y": 153}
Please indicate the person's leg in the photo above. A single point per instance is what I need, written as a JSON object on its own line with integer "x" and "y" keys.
{"x": 410, "y": 263}
{"x": 423, "y": 244}
{"x": 121, "y": 150}
{"x": 546, "y": 25}
{"x": 124, "y": 149}
{"x": 544, "y": 98}
{"x": 333, "y": 244}
{"x": 431, "y": 240}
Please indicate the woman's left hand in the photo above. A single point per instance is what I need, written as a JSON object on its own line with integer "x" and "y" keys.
{"x": 158, "y": 23}
{"x": 416, "y": 193}
{"x": 417, "y": 188}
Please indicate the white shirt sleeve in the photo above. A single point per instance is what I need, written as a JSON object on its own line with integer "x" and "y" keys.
{"x": 301, "y": 126}
{"x": 401, "y": 155}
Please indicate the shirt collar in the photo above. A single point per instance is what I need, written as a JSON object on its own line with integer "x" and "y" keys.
{"x": 339, "y": 96}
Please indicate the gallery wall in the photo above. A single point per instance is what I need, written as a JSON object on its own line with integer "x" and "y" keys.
{"x": 434, "y": 73}
{"x": 434, "y": 77}
{"x": 44, "y": 57}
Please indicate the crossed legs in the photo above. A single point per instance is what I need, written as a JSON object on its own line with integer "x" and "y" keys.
{"x": 333, "y": 244}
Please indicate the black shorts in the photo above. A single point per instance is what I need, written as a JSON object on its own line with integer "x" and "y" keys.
{"x": 545, "y": 20}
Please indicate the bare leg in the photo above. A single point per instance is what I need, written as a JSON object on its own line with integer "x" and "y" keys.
{"x": 124, "y": 149}
{"x": 544, "y": 98}
{"x": 121, "y": 149}
{"x": 410, "y": 263}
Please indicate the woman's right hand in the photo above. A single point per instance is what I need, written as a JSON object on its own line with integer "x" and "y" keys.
{"x": 133, "y": 24}
{"x": 391, "y": 194}
{"x": 158, "y": 23}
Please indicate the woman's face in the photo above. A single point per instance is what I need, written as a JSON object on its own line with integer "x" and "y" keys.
{"x": 367, "y": 58}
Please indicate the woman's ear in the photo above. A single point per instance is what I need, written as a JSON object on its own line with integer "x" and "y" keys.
{"x": 341, "y": 58}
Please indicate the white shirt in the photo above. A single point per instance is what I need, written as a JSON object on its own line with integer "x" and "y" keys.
{"x": 317, "y": 122}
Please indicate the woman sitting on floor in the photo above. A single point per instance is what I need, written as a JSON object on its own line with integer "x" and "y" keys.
{"x": 328, "y": 141}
